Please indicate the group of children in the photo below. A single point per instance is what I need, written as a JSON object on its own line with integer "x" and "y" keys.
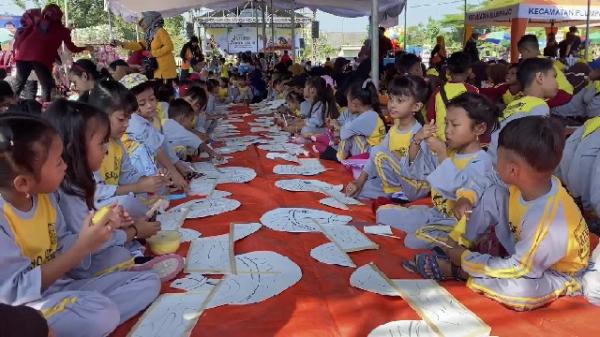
{"x": 502, "y": 182}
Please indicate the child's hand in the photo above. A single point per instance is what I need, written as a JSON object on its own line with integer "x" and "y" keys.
{"x": 93, "y": 236}
{"x": 152, "y": 184}
{"x": 179, "y": 181}
{"x": 462, "y": 207}
{"x": 426, "y": 131}
{"x": 353, "y": 188}
{"x": 437, "y": 146}
{"x": 146, "y": 229}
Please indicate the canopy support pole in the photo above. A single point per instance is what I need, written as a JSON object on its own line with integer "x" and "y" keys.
{"x": 293, "y": 31}
{"x": 405, "y": 26}
{"x": 272, "y": 27}
{"x": 587, "y": 31}
{"x": 253, "y": 7}
{"x": 110, "y": 26}
{"x": 264, "y": 24}
{"x": 375, "y": 42}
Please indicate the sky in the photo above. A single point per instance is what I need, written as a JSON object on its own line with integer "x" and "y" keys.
{"x": 418, "y": 11}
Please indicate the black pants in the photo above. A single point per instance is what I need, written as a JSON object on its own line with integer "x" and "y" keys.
{"x": 44, "y": 76}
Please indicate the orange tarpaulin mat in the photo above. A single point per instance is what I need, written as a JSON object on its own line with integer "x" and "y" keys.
{"x": 322, "y": 303}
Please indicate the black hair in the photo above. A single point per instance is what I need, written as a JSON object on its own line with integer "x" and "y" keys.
{"x": 26, "y": 106}
{"x": 179, "y": 107}
{"x": 293, "y": 95}
{"x": 140, "y": 88}
{"x": 225, "y": 80}
{"x": 529, "y": 68}
{"x": 72, "y": 120}
{"x": 117, "y": 63}
{"x": 211, "y": 85}
{"x": 538, "y": 140}
{"x": 110, "y": 96}
{"x": 164, "y": 92}
{"x": 411, "y": 86}
{"x": 325, "y": 96}
{"x": 22, "y": 321}
{"x": 366, "y": 93}
{"x": 406, "y": 61}
{"x": 196, "y": 93}
{"x": 529, "y": 41}
{"x": 459, "y": 63}
{"x": 85, "y": 66}
{"x": 24, "y": 144}
{"x": 479, "y": 109}
{"x": 6, "y": 91}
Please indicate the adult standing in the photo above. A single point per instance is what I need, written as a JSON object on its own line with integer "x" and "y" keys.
{"x": 471, "y": 48}
{"x": 385, "y": 45}
{"x": 36, "y": 47}
{"x": 285, "y": 58}
{"x": 439, "y": 53}
{"x": 191, "y": 54}
{"x": 157, "y": 44}
{"x": 551, "y": 49}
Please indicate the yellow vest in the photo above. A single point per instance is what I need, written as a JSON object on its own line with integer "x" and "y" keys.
{"x": 36, "y": 237}
{"x": 524, "y": 105}
{"x": 378, "y": 133}
{"x": 110, "y": 169}
{"x": 446, "y": 206}
{"x": 452, "y": 90}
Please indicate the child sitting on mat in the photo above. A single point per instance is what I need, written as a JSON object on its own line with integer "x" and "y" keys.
{"x": 368, "y": 128}
{"x": 551, "y": 240}
{"x": 458, "y": 170}
{"x": 385, "y": 173}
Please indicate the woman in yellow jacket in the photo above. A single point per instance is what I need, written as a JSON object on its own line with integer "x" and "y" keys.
{"x": 161, "y": 46}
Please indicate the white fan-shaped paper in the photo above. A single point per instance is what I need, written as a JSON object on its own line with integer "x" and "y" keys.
{"x": 331, "y": 202}
{"x": 403, "y": 329}
{"x": 298, "y": 170}
{"x": 223, "y": 175}
{"x": 283, "y": 147}
{"x": 201, "y": 208}
{"x": 306, "y": 185}
{"x": 231, "y": 149}
{"x": 188, "y": 234}
{"x": 329, "y": 253}
{"x": 369, "y": 278}
{"x": 283, "y": 155}
{"x": 243, "y": 230}
{"x": 260, "y": 276}
{"x": 195, "y": 282}
{"x": 299, "y": 220}
{"x": 172, "y": 219}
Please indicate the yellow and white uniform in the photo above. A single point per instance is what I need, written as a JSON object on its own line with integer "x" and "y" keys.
{"x": 80, "y": 308}
{"x": 361, "y": 134}
{"x": 551, "y": 252}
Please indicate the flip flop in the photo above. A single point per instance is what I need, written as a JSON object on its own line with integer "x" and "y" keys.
{"x": 166, "y": 266}
{"x": 422, "y": 261}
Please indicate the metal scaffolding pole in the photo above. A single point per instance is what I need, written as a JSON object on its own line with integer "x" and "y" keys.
{"x": 264, "y": 24}
{"x": 375, "y": 42}
{"x": 293, "y": 30}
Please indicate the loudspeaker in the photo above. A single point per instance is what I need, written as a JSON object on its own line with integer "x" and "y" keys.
{"x": 315, "y": 29}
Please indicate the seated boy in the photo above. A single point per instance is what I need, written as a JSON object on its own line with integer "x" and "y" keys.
{"x": 180, "y": 133}
{"x": 538, "y": 79}
{"x": 586, "y": 103}
{"x": 551, "y": 239}
{"x": 530, "y": 49}
{"x": 459, "y": 69}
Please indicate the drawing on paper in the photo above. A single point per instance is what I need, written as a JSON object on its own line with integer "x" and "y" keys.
{"x": 348, "y": 238}
{"x": 241, "y": 231}
{"x": 171, "y": 315}
{"x": 283, "y": 155}
{"x": 200, "y": 208}
{"x": 307, "y": 167}
{"x": 223, "y": 175}
{"x": 330, "y": 253}
{"x": 442, "y": 312}
{"x": 369, "y": 278}
{"x": 195, "y": 282}
{"x": 211, "y": 255}
{"x": 298, "y": 220}
{"x": 261, "y": 275}
{"x": 306, "y": 185}
{"x": 403, "y": 329}
{"x": 290, "y": 148}
{"x": 172, "y": 219}
{"x": 188, "y": 234}
{"x": 331, "y": 202}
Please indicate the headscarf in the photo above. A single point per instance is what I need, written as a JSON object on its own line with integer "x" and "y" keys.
{"x": 152, "y": 22}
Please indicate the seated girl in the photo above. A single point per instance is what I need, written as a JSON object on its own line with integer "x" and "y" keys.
{"x": 458, "y": 170}
{"x": 367, "y": 129}
{"x": 38, "y": 250}
{"x": 385, "y": 173}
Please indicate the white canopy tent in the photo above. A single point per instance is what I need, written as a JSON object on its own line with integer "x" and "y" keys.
{"x": 130, "y": 10}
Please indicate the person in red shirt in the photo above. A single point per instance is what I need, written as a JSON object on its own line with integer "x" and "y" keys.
{"x": 285, "y": 58}
{"x": 36, "y": 48}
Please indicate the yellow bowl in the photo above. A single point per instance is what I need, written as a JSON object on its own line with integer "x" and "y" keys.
{"x": 165, "y": 242}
